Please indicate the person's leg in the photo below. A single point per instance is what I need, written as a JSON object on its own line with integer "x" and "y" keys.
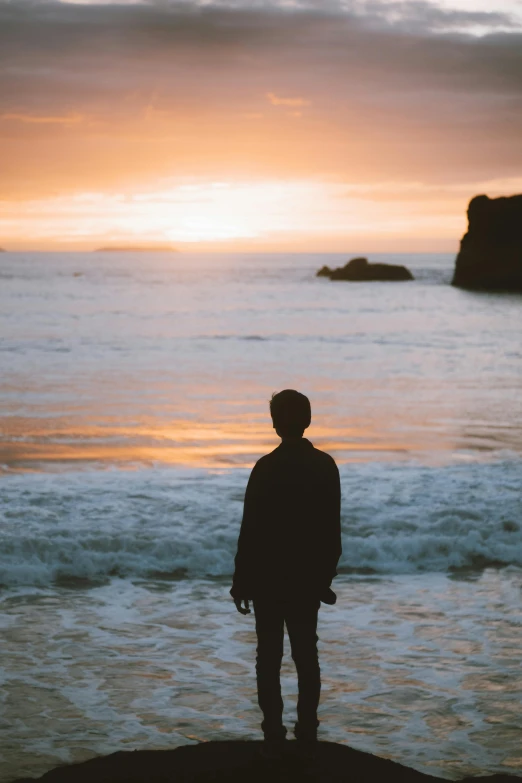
{"x": 301, "y": 622}
{"x": 270, "y": 635}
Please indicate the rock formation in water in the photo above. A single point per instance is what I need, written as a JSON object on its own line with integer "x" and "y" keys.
{"x": 236, "y": 761}
{"x": 490, "y": 255}
{"x": 358, "y": 269}
{"x": 324, "y": 271}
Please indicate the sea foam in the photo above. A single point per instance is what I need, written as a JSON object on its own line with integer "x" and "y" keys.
{"x": 176, "y": 523}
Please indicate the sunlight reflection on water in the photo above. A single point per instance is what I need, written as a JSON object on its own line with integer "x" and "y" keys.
{"x": 114, "y": 369}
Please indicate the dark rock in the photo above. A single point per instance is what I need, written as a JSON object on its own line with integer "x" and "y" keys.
{"x": 358, "y": 269}
{"x": 490, "y": 254}
{"x": 324, "y": 271}
{"x": 237, "y": 761}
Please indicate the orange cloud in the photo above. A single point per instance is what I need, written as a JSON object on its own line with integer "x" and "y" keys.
{"x": 71, "y": 119}
{"x": 275, "y": 100}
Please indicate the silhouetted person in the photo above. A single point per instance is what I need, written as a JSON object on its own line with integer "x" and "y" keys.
{"x": 288, "y": 549}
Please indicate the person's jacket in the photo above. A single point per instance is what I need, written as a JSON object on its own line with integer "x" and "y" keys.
{"x": 290, "y": 538}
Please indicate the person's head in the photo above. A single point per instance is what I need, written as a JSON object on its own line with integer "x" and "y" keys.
{"x": 291, "y": 413}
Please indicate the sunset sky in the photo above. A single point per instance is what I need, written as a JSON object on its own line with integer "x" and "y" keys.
{"x": 330, "y": 125}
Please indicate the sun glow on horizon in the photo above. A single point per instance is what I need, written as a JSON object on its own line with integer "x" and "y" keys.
{"x": 194, "y": 212}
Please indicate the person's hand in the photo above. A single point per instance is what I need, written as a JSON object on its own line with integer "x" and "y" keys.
{"x": 238, "y": 602}
{"x": 328, "y": 596}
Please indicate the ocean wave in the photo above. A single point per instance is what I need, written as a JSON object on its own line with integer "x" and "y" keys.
{"x": 176, "y": 523}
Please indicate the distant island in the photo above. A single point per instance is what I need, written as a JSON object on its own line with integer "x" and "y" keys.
{"x": 123, "y": 249}
{"x": 2, "y": 250}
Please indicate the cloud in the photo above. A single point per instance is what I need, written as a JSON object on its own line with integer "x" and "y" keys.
{"x": 72, "y": 119}
{"x": 420, "y": 16}
{"x": 395, "y": 89}
{"x": 275, "y": 100}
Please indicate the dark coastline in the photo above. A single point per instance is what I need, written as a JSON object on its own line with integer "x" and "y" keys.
{"x": 238, "y": 761}
{"x": 158, "y": 249}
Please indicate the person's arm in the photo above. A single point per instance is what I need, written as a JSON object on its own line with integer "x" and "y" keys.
{"x": 245, "y": 546}
{"x": 332, "y": 526}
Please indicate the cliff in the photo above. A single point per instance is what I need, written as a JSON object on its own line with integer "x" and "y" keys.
{"x": 490, "y": 254}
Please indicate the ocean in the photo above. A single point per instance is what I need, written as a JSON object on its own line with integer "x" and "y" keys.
{"x": 134, "y": 394}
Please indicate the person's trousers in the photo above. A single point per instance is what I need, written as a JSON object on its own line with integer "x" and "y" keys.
{"x": 300, "y": 617}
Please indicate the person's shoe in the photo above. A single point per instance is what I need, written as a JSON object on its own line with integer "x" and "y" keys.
{"x": 307, "y": 733}
{"x": 272, "y": 749}
{"x": 306, "y": 742}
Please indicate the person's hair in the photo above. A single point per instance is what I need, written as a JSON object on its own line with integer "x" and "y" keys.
{"x": 291, "y": 412}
